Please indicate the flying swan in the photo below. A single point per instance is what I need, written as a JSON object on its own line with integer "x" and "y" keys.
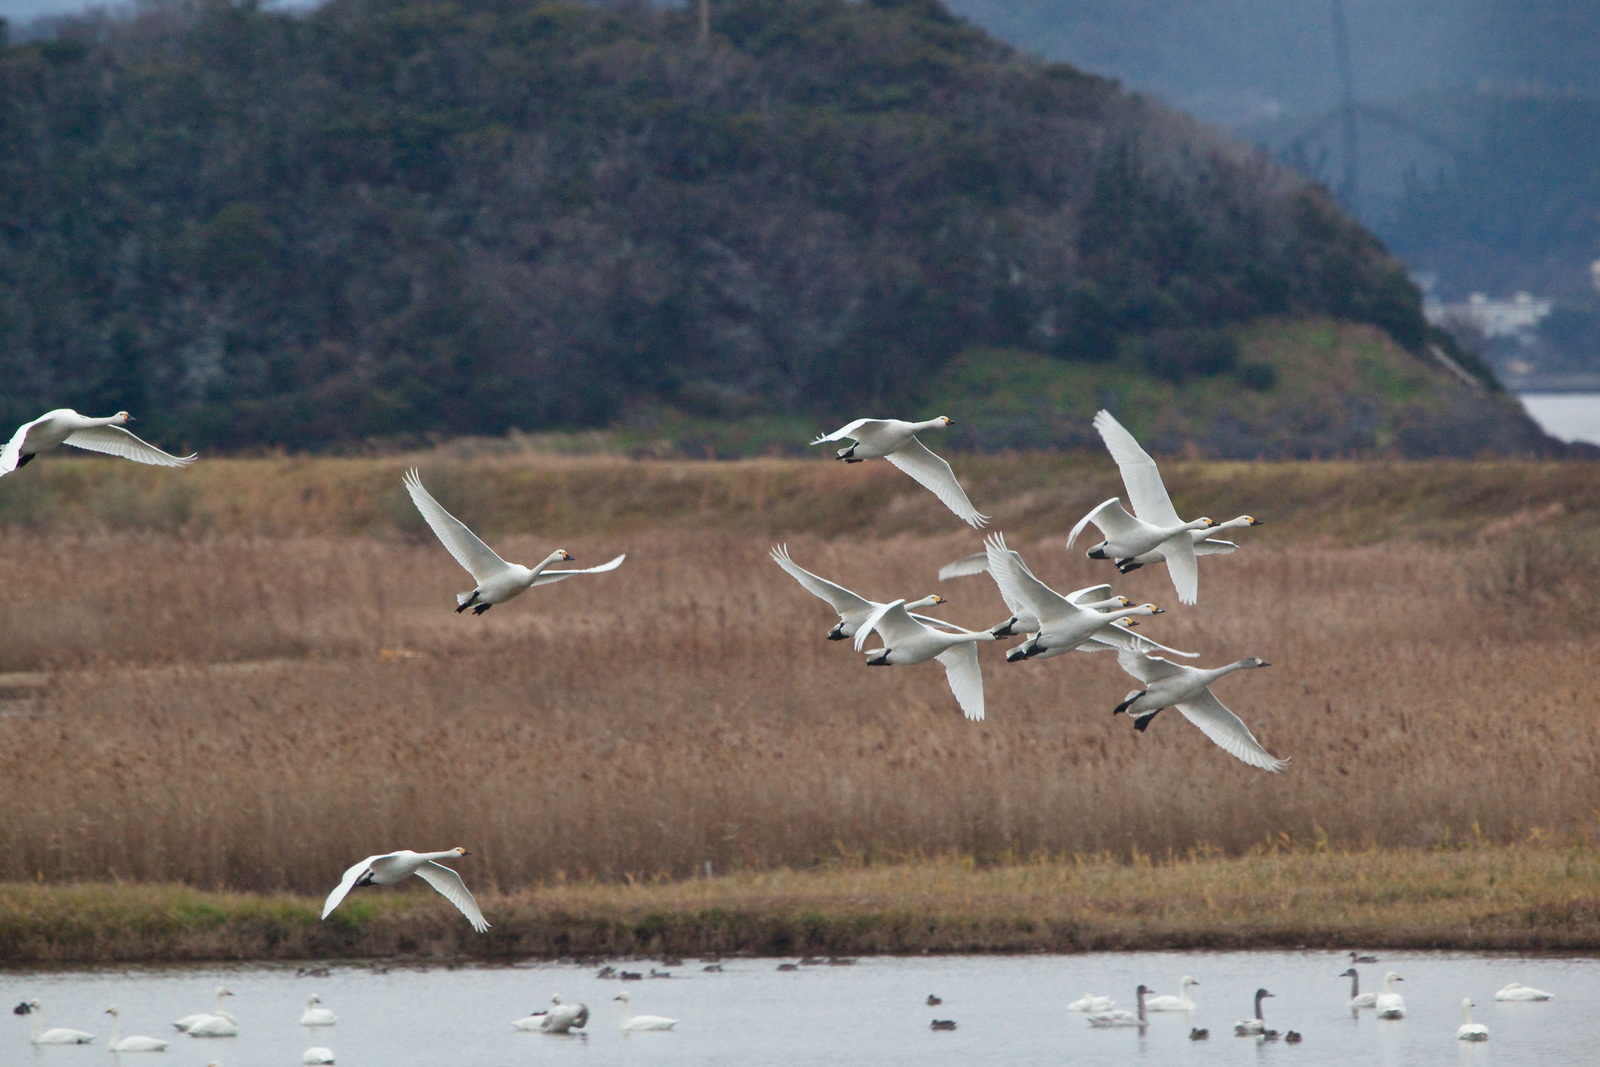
{"x": 907, "y": 641}
{"x": 64, "y": 426}
{"x": 56, "y": 1035}
{"x": 132, "y": 1044}
{"x": 498, "y": 581}
{"x": 1204, "y": 544}
{"x": 1157, "y": 526}
{"x": 1169, "y": 684}
{"x": 896, "y": 441}
{"x": 630, "y": 1021}
{"x": 853, "y": 609}
{"x": 392, "y": 867}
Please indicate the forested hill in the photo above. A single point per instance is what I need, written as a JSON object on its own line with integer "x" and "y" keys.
{"x": 406, "y": 216}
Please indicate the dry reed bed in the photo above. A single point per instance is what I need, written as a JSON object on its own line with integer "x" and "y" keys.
{"x": 1479, "y": 897}
{"x": 686, "y": 709}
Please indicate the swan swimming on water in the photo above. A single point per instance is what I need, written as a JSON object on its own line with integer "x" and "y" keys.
{"x": 1358, "y": 999}
{"x": 1155, "y": 524}
{"x": 1169, "y": 684}
{"x": 896, "y": 441}
{"x": 318, "y": 1055}
{"x": 1470, "y": 1031}
{"x": 315, "y": 1016}
{"x": 498, "y": 581}
{"x": 56, "y": 1035}
{"x": 630, "y": 1021}
{"x": 1518, "y": 991}
{"x": 1390, "y": 1005}
{"x": 131, "y": 1044}
{"x": 564, "y": 1018}
{"x": 189, "y": 1021}
{"x": 64, "y": 426}
{"x": 1256, "y": 1027}
{"x": 392, "y": 867}
{"x": 1181, "y": 1002}
{"x": 1121, "y": 1016}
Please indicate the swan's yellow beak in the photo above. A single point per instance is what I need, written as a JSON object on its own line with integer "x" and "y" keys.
{"x": 566, "y": 555}
{"x": 947, "y": 419}
{"x": 938, "y": 599}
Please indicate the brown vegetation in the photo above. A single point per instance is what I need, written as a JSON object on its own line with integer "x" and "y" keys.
{"x": 229, "y": 705}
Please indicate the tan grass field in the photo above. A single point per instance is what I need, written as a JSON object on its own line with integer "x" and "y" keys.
{"x": 251, "y": 681}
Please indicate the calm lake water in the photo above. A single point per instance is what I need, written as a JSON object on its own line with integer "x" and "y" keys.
{"x": 1009, "y": 1010}
{"x": 1568, "y": 416}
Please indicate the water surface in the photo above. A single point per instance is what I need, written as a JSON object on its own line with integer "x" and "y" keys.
{"x": 1009, "y": 1010}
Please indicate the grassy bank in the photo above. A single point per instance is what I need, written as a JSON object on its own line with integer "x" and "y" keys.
{"x": 1528, "y": 898}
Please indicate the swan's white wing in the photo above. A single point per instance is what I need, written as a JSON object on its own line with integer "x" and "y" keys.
{"x": 450, "y": 885}
{"x": 961, "y": 670}
{"x": 891, "y": 621}
{"x": 1148, "y": 669}
{"x": 976, "y": 563}
{"x": 1213, "y": 546}
{"x": 1120, "y": 637}
{"x": 115, "y": 441}
{"x": 848, "y": 430}
{"x": 838, "y": 597}
{"x": 1182, "y": 567}
{"x": 1019, "y": 587}
{"x": 1139, "y": 473}
{"x": 948, "y": 627}
{"x": 1110, "y": 516}
{"x": 478, "y": 558}
{"x": 1228, "y": 731}
{"x": 348, "y": 883}
{"x": 935, "y": 475}
{"x": 1089, "y": 594}
{"x": 12, "y": 452}
{"x": 546, "y": 577}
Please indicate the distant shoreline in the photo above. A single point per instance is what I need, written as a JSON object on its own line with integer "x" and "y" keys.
{"x": 1521, "y": 898}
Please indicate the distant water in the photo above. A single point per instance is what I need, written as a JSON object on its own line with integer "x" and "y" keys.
{"x": 1008, "y": 1010}
{"x": 1568, "y": 416}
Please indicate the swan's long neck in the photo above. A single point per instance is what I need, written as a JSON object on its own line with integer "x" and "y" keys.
{"x": 1218, "y": 672}
{"x": 925, "y": 602}
{"x": 116, "y": 1029}
{"x": 1466, "y": 1012}
{"x": 1259, "y": 998}
{"x": 447, "y": 854}
{"x": 627, "y": 1012}
{"x": 931, "y": 424}
{"x": 1355, "y": 984}
{"x": 543, "y": 564}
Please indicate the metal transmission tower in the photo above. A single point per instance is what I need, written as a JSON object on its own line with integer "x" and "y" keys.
{"x": 1347, "y": 105}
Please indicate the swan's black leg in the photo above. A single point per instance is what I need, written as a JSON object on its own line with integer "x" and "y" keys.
{"x": 1097, "y": 553}
{"x": 1126, "y": 566}
{"x": 27, "y": 458}
{"x": 837, "y": 633}
{"x": 1006, "y": 629}
{"x": 1144, "y": 720}
{"x": 481, "y": 608}
{"x": 467, "y": 603}
{"x": 1120, "y": 708}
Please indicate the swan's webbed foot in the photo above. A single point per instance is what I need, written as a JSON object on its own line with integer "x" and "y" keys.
{"x": 481, "y": 608}
{"x": 837, "y": 633}
{"x": 1006, "y": 629}
{"x": 1096, "y": 553}
{"x": 1140, "y": 722}
{"x": 846, "y": 454}
{"x": 879, "y": 660}
{"x": 1125, "y": 566}
{"x": 27, "y": 458}
{"x": 467, "y": 603}
{"x": 851, "y": 459}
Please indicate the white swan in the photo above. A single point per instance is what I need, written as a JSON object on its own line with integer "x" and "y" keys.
{"x": 64, "y": 426}
{"x": 1358, "y": 999}
{"x": 531, "y": 1021}
{"x": 852, "y": 608}
{"x": 1181, "y": 1002}
{"x": 392, "y": 867}
{"x": 315, "y": 1016}
{"x": 216, "y": 1011}
{"x": 1157, "y": 525}
{"x": 896, "y": 441}
{"x": 1058, "y": 623}
{"x": 1470, "y": 1031}
{"x": 630, "y": 1021}
{"x": 317, "y": 1055}
{"x": 1518, "y": 991}
{"x": 132, "y": 1044}
{"x": 498, "y": 581}
{"x": 907, "y": 641}
{"x": 1092, "y": 1002}
{"x": 1390, "y": 1005}
{"x": 563, "y": 1018}
{"x": 1121, "y": 1016}
{"x": 1254, "y": 1027}
{"x": 1204, "y": 544}
{"x": 56, "y": 1035}
{"x": 214, "y": 1026}
{"x": 1170, "y": 684}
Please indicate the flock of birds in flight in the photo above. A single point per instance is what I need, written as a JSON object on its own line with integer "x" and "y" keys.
{"x": 1091, "y": 619}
